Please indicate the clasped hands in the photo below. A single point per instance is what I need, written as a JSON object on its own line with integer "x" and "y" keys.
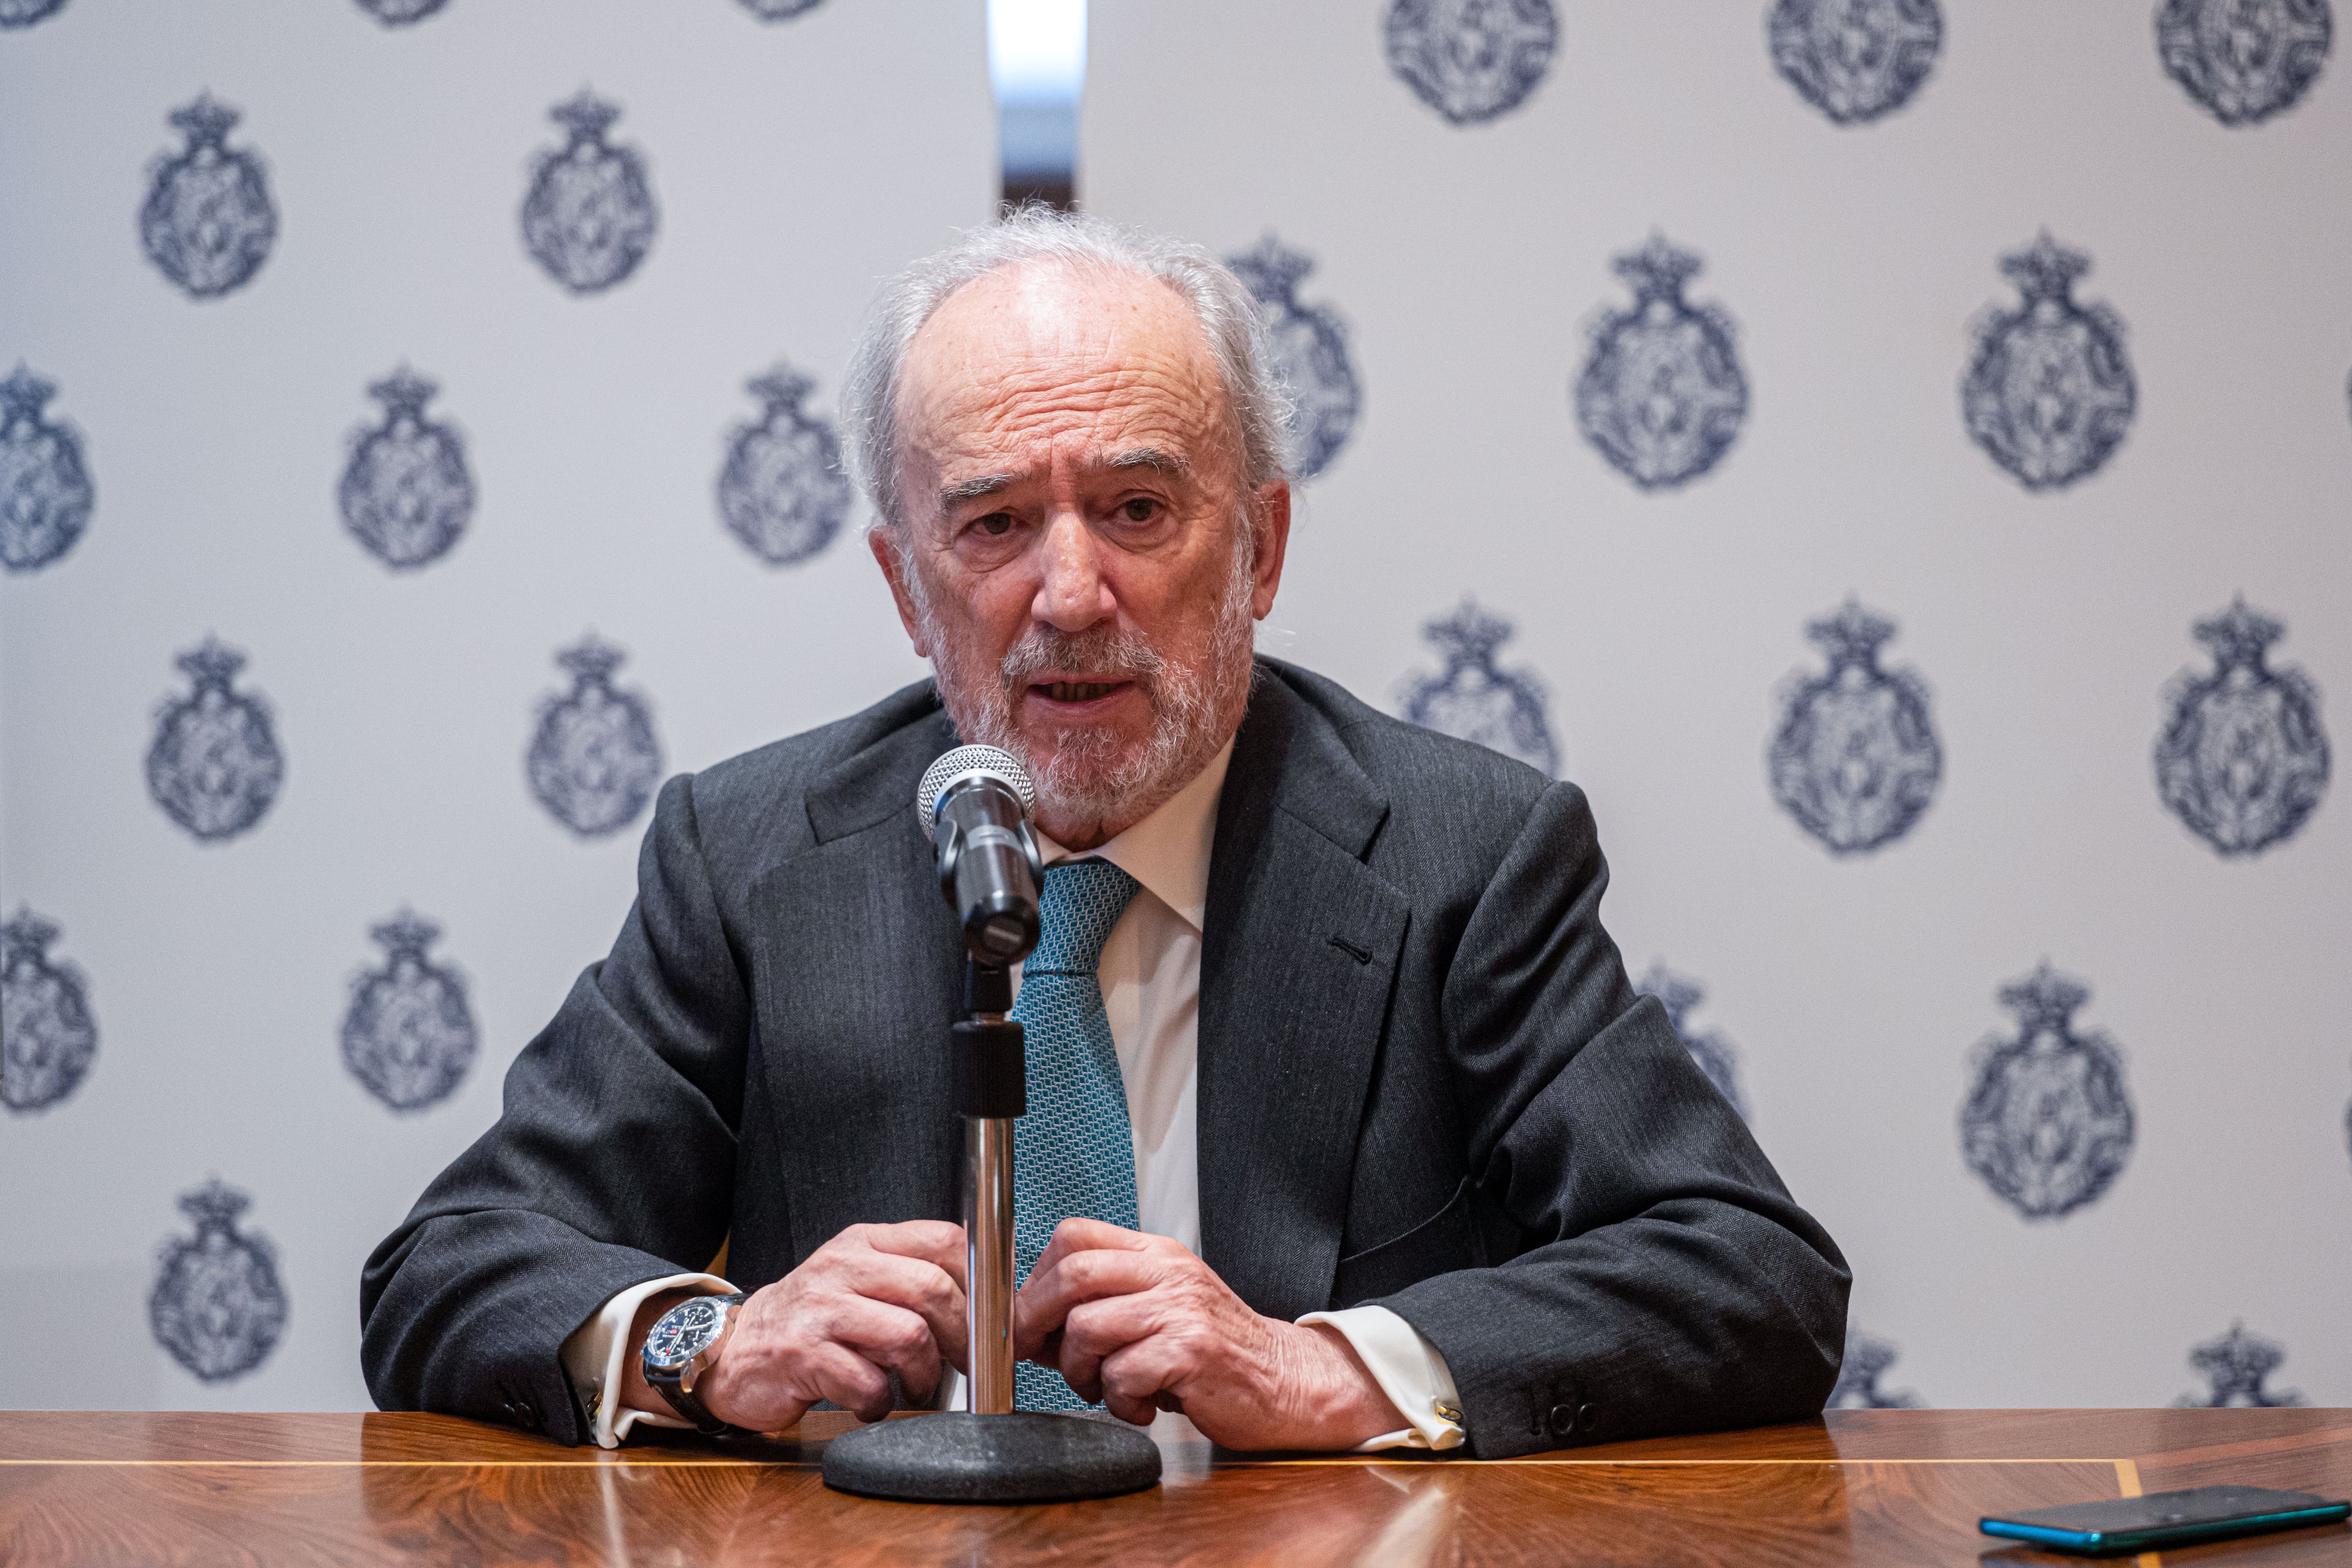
{"x": 1136, "y": 1322}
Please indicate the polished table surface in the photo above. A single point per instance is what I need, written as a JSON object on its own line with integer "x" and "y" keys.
{"x": 1880, "y": 1485}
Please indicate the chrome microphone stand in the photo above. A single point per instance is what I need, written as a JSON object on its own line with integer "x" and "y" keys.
{"x": 990, "y": 1091}
{"x": 989, "y": 1452}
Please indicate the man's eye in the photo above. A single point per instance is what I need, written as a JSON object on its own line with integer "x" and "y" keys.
{"x": 1143, "y": 509}
{"x": 995, "y": 524}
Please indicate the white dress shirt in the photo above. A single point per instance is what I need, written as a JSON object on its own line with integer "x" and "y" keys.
{"x": 1150, "y": 976}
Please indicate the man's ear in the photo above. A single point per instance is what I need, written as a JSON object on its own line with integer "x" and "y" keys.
{"x": 885, "y": 539}
{"x": 1269, "y": 515}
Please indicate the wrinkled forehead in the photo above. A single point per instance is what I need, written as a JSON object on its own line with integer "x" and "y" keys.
{"x": 1051, "y": 356}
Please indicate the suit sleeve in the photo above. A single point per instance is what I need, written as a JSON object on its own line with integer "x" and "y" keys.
{"x": 612, "y": 1161}
{"x": 1668, "y": 1282}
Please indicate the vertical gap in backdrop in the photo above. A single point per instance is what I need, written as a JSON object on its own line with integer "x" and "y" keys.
{"x": 1037, "y": 63}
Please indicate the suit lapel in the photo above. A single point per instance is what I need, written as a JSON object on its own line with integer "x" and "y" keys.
{"x": 1298, "y": 957}
{"x": 860, "y": 975}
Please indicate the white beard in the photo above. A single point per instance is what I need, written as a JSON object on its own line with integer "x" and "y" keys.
{"x": 1091, "y": 776}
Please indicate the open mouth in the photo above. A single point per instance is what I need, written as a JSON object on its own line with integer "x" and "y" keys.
{"x": 1079, "y": 690}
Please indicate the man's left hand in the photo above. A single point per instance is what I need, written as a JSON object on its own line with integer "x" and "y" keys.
{"x": 1141, "y": 1324}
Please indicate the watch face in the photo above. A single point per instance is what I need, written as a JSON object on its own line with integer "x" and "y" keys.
{"x": 685, "y": 1331}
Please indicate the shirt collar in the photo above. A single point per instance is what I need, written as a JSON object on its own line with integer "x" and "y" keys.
{"x": 1168, "y": 852}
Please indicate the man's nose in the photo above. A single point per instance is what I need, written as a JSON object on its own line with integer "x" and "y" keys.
{"x": 1072, "y": 592}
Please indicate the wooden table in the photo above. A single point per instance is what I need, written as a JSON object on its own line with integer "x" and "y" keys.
{"x": 1858, "y": 1486}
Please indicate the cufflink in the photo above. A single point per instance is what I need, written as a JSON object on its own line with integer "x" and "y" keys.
{"x": 1447, "y": 1413}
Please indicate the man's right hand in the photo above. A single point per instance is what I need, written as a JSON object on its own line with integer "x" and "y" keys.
{"x": 875, "y": 1300}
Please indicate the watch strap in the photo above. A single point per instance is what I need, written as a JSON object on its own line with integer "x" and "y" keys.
{"x": 684, "y": 1400}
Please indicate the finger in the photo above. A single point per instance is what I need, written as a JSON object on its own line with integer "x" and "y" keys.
{"x": 1046, "y": 1302}
{"x": 1097, "y": 1330}
{"x": 889, "y": 1337}
{"x": 920, "y": 1287}
{"x": 935, "y": 1241}
{"x": 1078, "y": 1234}
{"x": 1138, "y": 1379}
{"x": 850, "y": 1381}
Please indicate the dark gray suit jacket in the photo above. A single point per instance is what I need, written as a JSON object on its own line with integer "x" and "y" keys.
{"x": 1425, "y": 1082}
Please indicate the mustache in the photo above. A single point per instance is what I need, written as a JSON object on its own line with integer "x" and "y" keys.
{"x": 1105, "y": 648}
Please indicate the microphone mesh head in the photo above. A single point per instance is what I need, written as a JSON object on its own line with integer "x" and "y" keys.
{"x": 963, "y": 762}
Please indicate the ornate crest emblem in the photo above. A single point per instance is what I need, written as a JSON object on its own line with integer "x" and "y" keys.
{"x": 1855, "y": 61}
{"x": 16, "y": 14}
{"x": 2235, "y": 1366}
{"x": 214, "y": 766}
{"x": 405, "y": 493}
{"x": 2244, "y": 61}
{"x": 781, "y": 492}
{"x": 2242, "y": 759}
{"x": 409, "y": 1035}
{"x": 1662, "y": 394}
{"x": 1707, "y": 1048}
{"x": 2049, "y": 393}
{"x": 1867, "y": 1360}
{"x": 208, "y": 221}
{"x": 401, "y": 13}
{"x": 1855, "y": 760}
{"x": 1472, "y": 700}
{"x": 1310, "y": 353}
{"x": 1471, "y": 59}
{"x": 44, "y": 489}
{"x": 46, "y": 1035}
{"x": 2047, "y": 1125}
{"x": 589, "y": 218}
{"x": 780, "y": 10}
{"x": 218, "y": 1305}
{"x": 593, "y": 761}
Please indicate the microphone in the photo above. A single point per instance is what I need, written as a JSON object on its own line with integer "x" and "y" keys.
{"x": 975, "y": 807}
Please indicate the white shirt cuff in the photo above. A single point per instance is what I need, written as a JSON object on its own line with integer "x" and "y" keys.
{"x": 593, "y": 1359}
{"x": 1408, "y": 1370}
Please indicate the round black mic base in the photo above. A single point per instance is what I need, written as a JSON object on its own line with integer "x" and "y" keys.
{"x": 1028, "y": 1455}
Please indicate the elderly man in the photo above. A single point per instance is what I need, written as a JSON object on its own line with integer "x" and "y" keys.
{"x": 1345, "y": 1127}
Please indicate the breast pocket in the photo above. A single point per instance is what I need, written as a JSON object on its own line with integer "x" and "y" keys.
{"x": 1446, "y": 1241}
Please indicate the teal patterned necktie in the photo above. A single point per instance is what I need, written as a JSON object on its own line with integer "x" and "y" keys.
{"x": 1074, "y": 1153}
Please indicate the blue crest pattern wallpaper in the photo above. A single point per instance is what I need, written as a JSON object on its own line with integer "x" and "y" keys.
{"x": 1472, "y": 698}
{"x": 1855, "y": 760}
{"x": 593, "y": 761}
{"x": 2048, "y": 1124}
{"x": 46, "y": 1033}
{"x": 2244, "y": 61}
{"x": 218, "y": 1305}
{"x": 214, "y": 766}
{"x": 1866, "y": 1360}
{"x": 1728, "y": 412}
{"x": 2236, "y": 1367}
{"x": 208, "y": 221}
{"x": 1662, "y": 394}
{"x": 407, "y": 493}
{"x": 782, "y": 491}
{"x": 589, "y": 218}
{"x": 45, "y": 490}
{"x": 1471, "y": 59}
{"x": 2049, "y": 393}
{"x": 1310, "y": 352}
{"x": 2243, "y": 760}
{"x": 409, "y": 1036}
{"x": 1855, "y": 61}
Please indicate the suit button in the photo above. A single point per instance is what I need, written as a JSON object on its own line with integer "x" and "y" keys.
{"x": 1562, "y": 1420}
{"x": 1588, "y": 1417}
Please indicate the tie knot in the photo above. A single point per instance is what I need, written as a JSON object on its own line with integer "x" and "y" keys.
{"x": 1081, "y": 900}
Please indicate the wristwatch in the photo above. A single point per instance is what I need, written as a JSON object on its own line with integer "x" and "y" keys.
{"x": 683, "y": 1344}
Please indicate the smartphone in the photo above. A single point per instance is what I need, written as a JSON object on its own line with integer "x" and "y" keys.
{"x": 2164, "y": 1519}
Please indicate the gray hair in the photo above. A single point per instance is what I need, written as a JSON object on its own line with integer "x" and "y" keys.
{"x": 1225, "y": 309}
